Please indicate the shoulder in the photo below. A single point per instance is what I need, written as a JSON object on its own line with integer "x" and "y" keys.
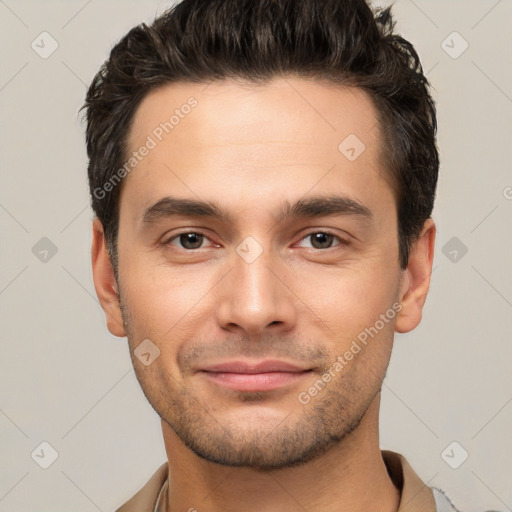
{"x": 145, "y": 499}
{"x": 443, "y": 502}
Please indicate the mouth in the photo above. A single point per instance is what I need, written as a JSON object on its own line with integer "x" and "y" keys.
{"x": 250, "y": 377}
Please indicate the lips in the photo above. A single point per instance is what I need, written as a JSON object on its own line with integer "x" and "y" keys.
{"x": 269, "y": 365}
{"x": 255, "y": 376}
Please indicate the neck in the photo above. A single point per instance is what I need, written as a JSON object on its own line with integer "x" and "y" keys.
{"x": 351, "y": 476}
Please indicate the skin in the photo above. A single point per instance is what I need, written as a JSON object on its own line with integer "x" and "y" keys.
{"x": 250, "y": 148}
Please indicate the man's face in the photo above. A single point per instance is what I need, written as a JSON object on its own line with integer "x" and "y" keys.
{"x": 211, "y": 297}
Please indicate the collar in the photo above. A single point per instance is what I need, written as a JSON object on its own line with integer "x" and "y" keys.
{"x": 415, "y": 495}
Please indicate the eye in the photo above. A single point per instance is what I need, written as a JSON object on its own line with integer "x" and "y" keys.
{"x": 324, "y": 240}
{"x": 192, "y": 240}
{"x": 189, "y": 240}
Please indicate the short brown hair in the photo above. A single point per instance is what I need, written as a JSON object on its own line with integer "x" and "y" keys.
{"x": 340, "y": 41}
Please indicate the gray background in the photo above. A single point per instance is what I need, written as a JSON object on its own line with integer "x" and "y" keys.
{"x": 67, "y": 381}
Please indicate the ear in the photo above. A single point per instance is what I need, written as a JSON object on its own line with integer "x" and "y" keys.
{"x": 105, "y": 282}
{"x": 416, "y": 279}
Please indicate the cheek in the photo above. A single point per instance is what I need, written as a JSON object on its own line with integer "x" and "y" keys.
{"x": 349, "y": 300}
{"x": 163, "y": 301}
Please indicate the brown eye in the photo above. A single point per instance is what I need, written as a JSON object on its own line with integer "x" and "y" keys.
{"x": 324, "y": 240}
{"x": 321, "y": 240}
{"x": 188, "y": 241}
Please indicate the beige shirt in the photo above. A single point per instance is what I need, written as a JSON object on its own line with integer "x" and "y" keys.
{"x": 415, "y": 495}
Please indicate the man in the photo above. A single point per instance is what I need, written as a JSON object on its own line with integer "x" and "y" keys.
{"x": 263, "y": 174}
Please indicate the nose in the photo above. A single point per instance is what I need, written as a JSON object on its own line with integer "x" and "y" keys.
{"x": 257, "y": 296}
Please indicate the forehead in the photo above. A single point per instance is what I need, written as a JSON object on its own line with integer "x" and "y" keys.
{"x": 226, "y": 137}
{"x": 228, "y": 112}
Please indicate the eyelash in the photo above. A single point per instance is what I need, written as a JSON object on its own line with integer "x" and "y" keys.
{"x": 342, "y": 241}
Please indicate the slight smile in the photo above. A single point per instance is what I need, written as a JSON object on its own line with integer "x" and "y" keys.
{"x": 262, "y": 376}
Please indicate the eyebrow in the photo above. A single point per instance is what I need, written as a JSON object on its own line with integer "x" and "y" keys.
{"x": 319, "y": 206}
